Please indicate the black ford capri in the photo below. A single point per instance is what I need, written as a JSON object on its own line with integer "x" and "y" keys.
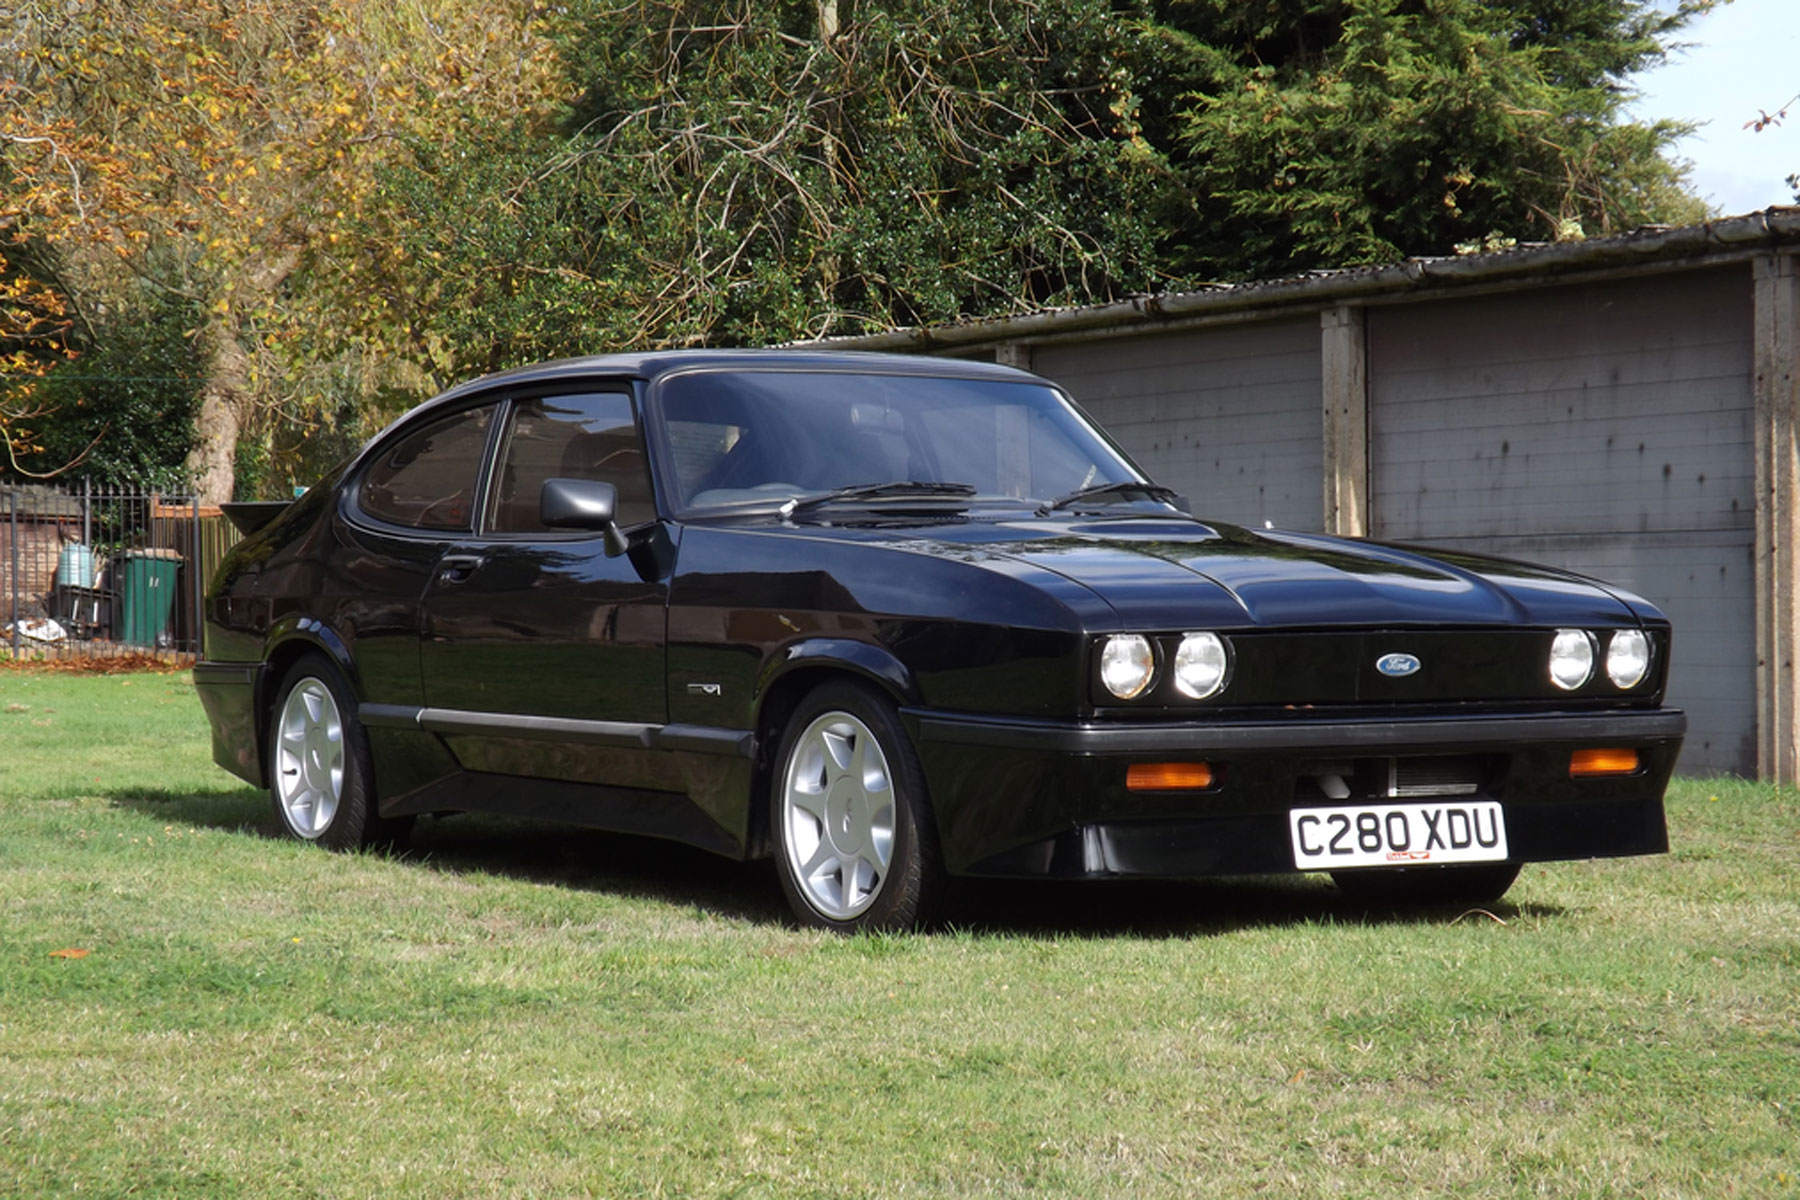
{"x": 891, "y": 620}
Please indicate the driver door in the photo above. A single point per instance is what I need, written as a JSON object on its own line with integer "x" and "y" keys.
{"x": 540, "y": 655}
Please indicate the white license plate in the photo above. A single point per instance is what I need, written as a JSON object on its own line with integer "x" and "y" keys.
{"x": 1397, "y": 835}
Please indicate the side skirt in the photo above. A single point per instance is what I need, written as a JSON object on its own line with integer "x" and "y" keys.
{"x": 416, "y": 737}
{"x": 667, "y": 815}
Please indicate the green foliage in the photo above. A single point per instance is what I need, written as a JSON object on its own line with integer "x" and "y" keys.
{"x": 724, "y": 172}
{"x": 455, "y": 186}
{"x": 1326, "y": 133}
{"x": 736, "y": 173}
{"x": 128, "y": 402}
{"x": 332, "y": 412}
{"x": 252, "y": 467}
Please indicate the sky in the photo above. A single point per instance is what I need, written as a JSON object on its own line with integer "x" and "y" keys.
{"x": 1743, "y": 58}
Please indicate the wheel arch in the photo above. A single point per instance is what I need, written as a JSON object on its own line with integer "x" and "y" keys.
{"x": 289, "y": 642}
{"x": 865, "y": 660}
{"x": 800, "y": 670}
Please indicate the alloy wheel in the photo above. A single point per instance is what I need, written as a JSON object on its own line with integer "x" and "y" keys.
{"x": 838, "y": 815}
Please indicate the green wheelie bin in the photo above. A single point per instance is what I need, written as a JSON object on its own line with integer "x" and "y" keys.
{"x": 146, "y": 596}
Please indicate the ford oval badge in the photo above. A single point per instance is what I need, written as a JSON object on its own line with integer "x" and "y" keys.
{"x": 1396, "y": 666}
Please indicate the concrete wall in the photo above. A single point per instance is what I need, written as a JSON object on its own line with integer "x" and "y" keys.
{"x": 1228, "y": 415}
{"x": 1607, "y": 428}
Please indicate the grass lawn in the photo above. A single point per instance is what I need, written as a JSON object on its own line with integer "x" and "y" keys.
{"x": 515, "y": 1011}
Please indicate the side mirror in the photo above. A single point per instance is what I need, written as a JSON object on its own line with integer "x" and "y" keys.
{"x": 583, "y": 504}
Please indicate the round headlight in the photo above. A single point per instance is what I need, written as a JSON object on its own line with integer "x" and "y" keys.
{"x": 1127, "y": 665}
{"x": 1571, "y": 659}
{"x": 1628, "y": 658}
{"x": 1200, "y": 665}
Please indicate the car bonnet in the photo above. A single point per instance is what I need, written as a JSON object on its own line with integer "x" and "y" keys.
{"x": 1178, "y": 572}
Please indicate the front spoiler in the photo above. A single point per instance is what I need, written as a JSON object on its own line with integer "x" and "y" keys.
{"x": 1257, "y": 844}
{"x": 1040, "y": 798}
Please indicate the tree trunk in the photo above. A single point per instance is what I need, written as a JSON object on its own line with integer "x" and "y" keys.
{"x": 212, "y": 463}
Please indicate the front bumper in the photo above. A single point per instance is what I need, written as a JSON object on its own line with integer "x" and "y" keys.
{"x": 1036, "y": 798}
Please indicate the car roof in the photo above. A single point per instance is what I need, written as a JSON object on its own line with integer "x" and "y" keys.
{"x": 652, "y": 364}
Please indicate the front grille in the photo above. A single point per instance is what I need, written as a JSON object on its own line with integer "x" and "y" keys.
{"x": 1367, "y": 780}
{"x": 1434, "y": 777}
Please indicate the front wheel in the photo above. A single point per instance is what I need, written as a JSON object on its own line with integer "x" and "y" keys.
{"x": 1464, "y": 883}
{"x": 321, "y": 781}
{"x": 855, "y": 846}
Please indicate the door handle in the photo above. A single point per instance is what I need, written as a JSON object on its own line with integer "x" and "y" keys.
{"x": 456, "y": 568}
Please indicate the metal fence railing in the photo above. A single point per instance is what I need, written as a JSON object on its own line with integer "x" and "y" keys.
{"x": 88, "y": 572}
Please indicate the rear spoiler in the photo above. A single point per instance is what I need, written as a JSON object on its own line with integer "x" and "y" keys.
{"x": 251, "y": 515}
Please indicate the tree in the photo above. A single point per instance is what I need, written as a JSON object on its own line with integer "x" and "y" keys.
{"x": 205, "y": 150}
{"x": 34, "y": 328}
{"x": 356, "y": 201}
{"x": 139, "y": 133}
{"x": 744, "y": 173}
{"x": 124, "y": 411}
{"x": 732, "y": 172}
{"x": 1329, "y": 133}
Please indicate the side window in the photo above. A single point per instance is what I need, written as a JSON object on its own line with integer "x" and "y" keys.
{"x": 591, "y": 436}
{"x": 428, "y": 479}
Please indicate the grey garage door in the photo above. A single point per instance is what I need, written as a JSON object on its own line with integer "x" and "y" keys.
{"x": 1228, "y": 414}
{"x": 1605, "y": 428}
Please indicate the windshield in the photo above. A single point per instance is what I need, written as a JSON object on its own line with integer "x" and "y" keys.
{"x": 767, "y": 437}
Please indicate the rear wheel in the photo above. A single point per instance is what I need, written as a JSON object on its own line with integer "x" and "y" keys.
{"x": 855, "y": 846}
{"x": 1461, "y": 883}
{"x": 321, "y": 781}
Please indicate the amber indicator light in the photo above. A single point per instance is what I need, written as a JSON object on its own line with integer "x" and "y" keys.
{"x": 1602, "y": 762}
{"x": 1168, "y": 777}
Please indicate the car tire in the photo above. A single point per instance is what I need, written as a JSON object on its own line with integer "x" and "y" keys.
{"x": 1401, "y": 887}
{"x": 855, "y": 842}
{"x": 321, "y": 778}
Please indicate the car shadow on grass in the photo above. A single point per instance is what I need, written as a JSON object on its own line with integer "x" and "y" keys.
{"x": 596, "y": 861}
{"x": 239, "y": 810}
{"x": 516, "y": 848}
{"x": 1196, "y": 908}
{"x": 671, "y": 873}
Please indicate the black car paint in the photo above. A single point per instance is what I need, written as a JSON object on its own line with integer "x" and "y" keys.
{"x": 644, "y": 692}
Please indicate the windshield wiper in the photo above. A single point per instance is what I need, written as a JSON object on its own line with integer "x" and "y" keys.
{"x": 899, "y": 488}
{"x": 1107, "y": 493}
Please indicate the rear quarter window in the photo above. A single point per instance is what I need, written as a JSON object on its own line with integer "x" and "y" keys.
{"x": 429, "y": 477}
